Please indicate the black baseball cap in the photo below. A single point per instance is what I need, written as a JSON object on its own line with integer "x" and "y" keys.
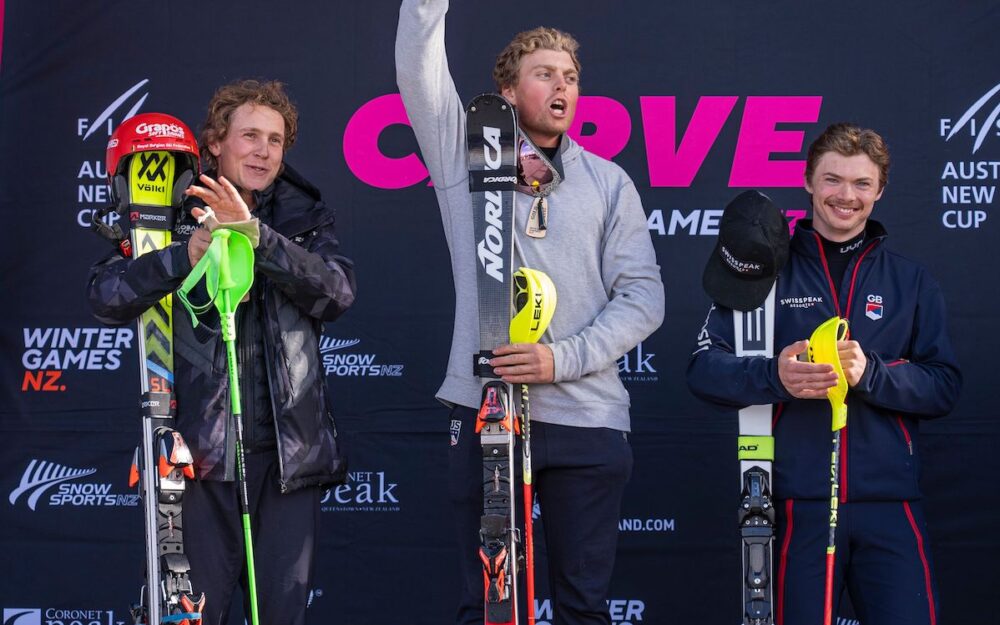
{"x": 751, "y": 250}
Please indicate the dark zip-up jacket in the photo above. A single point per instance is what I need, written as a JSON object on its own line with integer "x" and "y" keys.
{"x": 896, "y": 313}
{"x": 301, "y": 281}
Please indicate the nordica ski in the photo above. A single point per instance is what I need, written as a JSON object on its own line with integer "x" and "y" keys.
{"x": 754, "y": 332}
{"x": 492, "y": 136}
{"x": 151, "y": 159}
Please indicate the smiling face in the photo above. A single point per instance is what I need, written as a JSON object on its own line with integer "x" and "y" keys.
{"x": 251, "y": 152}
{"x": 844, "y": 190}
{"x": 545, "y": 94}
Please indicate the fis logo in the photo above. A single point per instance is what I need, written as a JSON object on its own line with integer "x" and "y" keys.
{"x": 104, "y": 120}
{"x": 40, "y": 476}
{"x": 352, "y": 364}
{"x": 986, "y": 125}
{"x": 968, "y": 188}
{"x": 873, "y": 307}
{"x": 91, "y": 176}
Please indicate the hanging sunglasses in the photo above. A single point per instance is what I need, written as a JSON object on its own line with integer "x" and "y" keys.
{"x": 537, "y": 177}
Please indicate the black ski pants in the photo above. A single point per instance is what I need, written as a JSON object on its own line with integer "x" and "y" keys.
{"x": 579, "y": 476}
{"x": 284, "y": 529}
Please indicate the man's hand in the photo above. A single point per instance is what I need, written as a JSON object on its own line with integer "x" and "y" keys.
{"x": 805, "y": 380}
{"x": 222, "y": 197}
{"x": 853, "y": 360}
{"x": 197, "y": 244}
{"x": 524, "y": 363}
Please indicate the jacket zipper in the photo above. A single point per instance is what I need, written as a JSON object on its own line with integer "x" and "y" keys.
{"x": 272, "y": 383}
{"x": 906, "y": 433}
{"x": 846, "y": 314}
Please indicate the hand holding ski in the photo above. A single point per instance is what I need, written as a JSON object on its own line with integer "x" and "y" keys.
{"x": 804, "y": 379}
{"x": 524, "y": 363}
{"x": 853, "y": 360}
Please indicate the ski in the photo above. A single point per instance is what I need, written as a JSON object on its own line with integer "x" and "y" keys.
{"x": 226, "y": 271}
{"x": 146, "y": 180}
{"x": 754, "y": 332}
{"x": 491, "y": 136}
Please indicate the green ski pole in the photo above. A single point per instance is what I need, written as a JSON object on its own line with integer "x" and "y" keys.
{"x": 228, "y": 269}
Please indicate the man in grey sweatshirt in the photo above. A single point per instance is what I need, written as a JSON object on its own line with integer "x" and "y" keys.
{"x": 599, "y": 254}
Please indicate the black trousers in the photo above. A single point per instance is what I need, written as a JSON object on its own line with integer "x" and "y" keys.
{"x": 284, "y": 529}
{"x": 579, "y": 476}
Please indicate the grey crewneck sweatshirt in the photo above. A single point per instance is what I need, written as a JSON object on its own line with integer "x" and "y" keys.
{"x": 598, "y": 251}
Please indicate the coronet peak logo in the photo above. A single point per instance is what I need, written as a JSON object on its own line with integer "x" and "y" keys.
{"x": 622, "y": 611}
{"x": 340, "y": 363}
{"x": 92, "y": 190}
{"x": 59, "y": 616}
{"x": 22, "y": 616}
{"x": 968, "y": 187}
{"x": 71, "y": 490}
{"x": 637, "y": 366}
{"x": 364, "y": 491}
{"x": 50, "y": 352}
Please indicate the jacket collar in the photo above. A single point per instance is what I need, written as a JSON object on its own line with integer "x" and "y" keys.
{"x": 805, "y": 240}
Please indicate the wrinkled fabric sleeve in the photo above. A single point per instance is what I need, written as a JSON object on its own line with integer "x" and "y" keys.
{"x": 717, "y": 375}
{"x": 428, "y": 91}
{"x": 635, "y": 291}
{"x": 120, "y": 289}
{"x": 313, "y": 275}
{"x": 928, "y": 381}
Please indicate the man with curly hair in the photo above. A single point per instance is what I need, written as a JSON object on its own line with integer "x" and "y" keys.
{"x": 589, "y": 235}
{"x": 300, "y": 282}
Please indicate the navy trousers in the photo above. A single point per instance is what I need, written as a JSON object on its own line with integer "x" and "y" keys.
{"x": 284, "y": 540}
{"x": 579, "y": 476}
{"x": 882, "y": 557}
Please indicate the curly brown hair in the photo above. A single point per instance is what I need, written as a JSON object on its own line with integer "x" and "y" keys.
{"x": 524, "y": 43}
{"x": 228, "y": 98}
{"x": 850, "y": 140}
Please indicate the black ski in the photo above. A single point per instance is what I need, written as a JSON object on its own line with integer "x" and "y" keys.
{"x": 492, "y": 136}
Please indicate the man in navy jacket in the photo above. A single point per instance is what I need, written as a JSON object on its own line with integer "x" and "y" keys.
{"x": 900, "y": 369}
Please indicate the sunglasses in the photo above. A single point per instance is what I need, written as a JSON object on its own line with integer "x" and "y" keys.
{"x": 536, "y": 175}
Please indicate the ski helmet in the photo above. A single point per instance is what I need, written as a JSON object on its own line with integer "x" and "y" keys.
{"x": 534, "y": 305}
{"x": 149, "y": 132}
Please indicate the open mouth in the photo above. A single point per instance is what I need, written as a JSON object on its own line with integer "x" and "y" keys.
{"x": 558, "y": 107}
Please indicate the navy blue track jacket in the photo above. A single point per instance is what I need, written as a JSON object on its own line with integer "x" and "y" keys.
{"x": 896, "y": 312}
